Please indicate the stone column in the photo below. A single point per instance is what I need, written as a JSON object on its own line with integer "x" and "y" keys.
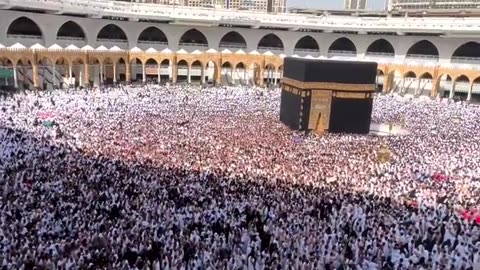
{"x": 189, "y": 79}
{"x": 54, "y": 78}
{"x": 101, "y": 74}
{"x": 170, "y": 70}
{"x": 174, "y": 73}
{"x": 35, "y": 75}
{"x": 86, "y": 75}
{"x": 80, "y": 77}
{"x": 15, "y": 79}
{"x": 70, "y": 74}
{"x": 469, "y": 96}
{"x": 202, "y": 76}
{"x": 159, "y": 78}
{"x": 452, "y": 90}
{"x": 275, "y": 75}
{"x": 417, "y": 90}
{"x": 114, "y": 73}
{"x": 435, "y": 87}
{"x": 144, "y": 73}
{"x": 217, "y": 74}
{"x": 261, "y": 76}
{"x": 128, "y": 75}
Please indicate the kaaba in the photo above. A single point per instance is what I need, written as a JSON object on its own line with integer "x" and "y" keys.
{"x": 327, "y": 95}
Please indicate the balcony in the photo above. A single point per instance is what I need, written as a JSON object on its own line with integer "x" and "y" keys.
{"x": 305, "y": 52}
{"x": 274, "y": 50}
{"x": 121, "y": 43}
{"x": 26, "y": 40}
{"x": 342, "y": 54}
{"x": 379, "y": 55}
{"x": 232, "y": 45}
{"x": 146, "y": 44}
{"x": 465, "y": 60}
{"x": 66, "y": 41}
{"x": 422, "y": 57}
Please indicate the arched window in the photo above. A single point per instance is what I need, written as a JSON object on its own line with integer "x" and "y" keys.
{"x": 233, "y": 40}
{"x": 193, "y": 37}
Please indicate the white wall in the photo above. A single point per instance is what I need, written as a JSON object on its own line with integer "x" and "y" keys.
{"x": 49, "y": 25}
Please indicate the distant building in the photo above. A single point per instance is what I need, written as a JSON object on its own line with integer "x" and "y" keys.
{"x": 434, "y": 4}
{"x": 160, "y": 2}
{"x": 355, "y": 4}
{"x": 271, "y": 6}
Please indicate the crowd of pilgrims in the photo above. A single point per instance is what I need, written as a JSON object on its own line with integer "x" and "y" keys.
{"x": 179, "y": 177}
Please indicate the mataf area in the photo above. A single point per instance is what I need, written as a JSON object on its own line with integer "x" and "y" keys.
{"x": 178, "y": 177}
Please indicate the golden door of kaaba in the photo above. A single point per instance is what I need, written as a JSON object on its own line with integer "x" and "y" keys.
{"x": 320, "y": 110}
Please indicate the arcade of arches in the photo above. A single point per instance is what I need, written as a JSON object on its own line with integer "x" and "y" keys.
{"x": 36, "y": 69}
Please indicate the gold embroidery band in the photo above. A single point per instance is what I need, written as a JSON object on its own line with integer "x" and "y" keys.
{"x": 330, "y": 86}
{"x": 351, "y": 95}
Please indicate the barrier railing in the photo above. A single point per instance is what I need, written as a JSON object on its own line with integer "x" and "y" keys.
{"x": 232, "y": 45}
{"x": 111, "y": 40}
{"x": 341, "y": 53}
{"x": 465, "y": 60}
{"x": 148, "y": 42}
{"x": 379, "y": 54}
{"x": 188, "y": 44}
{"x": 272, "y": 49}
{"x": 301, "y": 50}
{"x": 71, "y": 38}
{"x": 24, "y": 36}
{"x": 422, "y": 56}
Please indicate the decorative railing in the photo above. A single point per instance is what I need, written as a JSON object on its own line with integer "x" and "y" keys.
{"x": 422, "y": 56}
{"x": 302, "y": 50}
{"x": 465, "y": 60}
{"x": 273, "y": 49}
{"x": 189, "y": 44}
{"x": 379, "y": 54}
{"x": 24, "y": 37}
{"x": 232, "y": 45}
{"x": 71, "y": 38}
{"x": 110, "y": 40}
{"x": 341, "y": 53}
{"x": 152, "y": 42}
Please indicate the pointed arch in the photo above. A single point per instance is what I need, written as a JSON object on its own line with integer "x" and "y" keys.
{"x": 197, "y": 63}
{"x": 307, "y": 44}
{"x": 410, "y": 74}
{"x": 111, "y": 32}
{"x": 193, "y": 37}
{"x": 342, "y": 45}
{"x": 423, "y": 48}
{"x": 152, "y": 35}
{"x": 70, "y": 30}
{"x": 461, "y": 86}
{"x": 24, "y": 26}
{"x": 226, "y": 65}
{"x": 270, "y": 41}
{"x": 381, "y": 47}
{"x": 233, "y": 39}
{"x": 240, "y": 65}
{"x": 462, "y": 78}
{"x": 466, "y": 53}
{"x": 425, "y": 76}
{"x": 165, "y": 63}
{"x": 151, "y": 62}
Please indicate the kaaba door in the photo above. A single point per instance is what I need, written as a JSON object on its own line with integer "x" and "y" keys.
{"x": 319, "y": 119}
